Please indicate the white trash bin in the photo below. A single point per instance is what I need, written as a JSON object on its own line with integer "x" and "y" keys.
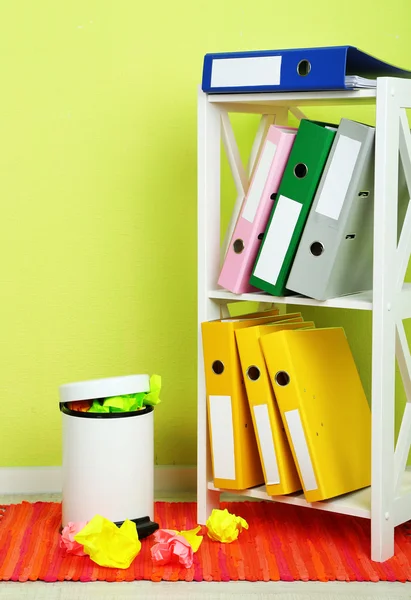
{"x": 108, "y": 458}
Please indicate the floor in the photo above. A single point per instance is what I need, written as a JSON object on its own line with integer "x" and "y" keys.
{"x": 195, "y": 591}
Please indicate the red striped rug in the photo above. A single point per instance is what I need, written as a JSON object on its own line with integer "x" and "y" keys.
{"x": 282, "y": 543}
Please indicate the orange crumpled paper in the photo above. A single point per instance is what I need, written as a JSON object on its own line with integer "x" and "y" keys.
{"x": 224, "y": 527}
{"x": 80, "y": 405}
{"x": 176, "y": 545}
{"x": 67, "y": 540}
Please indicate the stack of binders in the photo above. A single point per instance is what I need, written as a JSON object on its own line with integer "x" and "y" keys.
{"x": 311, "y": 229}
{"x": 235, "y": 457}
{"x": 285, "y": 406}
{"x": 306, "y": 223}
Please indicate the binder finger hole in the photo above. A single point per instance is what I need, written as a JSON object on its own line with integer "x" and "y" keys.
{"x": 218, "y": 367}
{"x": 316, "y": 248}
{"x": 300, "y": 170}
{"x": 253, "y": 373}
{"x": 303, "y": 67}
{"x": 238, "y": 246}
{"x": 282, "y": 378}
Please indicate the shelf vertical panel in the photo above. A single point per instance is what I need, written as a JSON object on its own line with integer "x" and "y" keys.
{"x": 208, "y": 223}
{"x": 383, "y": 342}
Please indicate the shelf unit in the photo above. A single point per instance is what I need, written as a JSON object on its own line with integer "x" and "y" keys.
{"x": 387, "y": 503}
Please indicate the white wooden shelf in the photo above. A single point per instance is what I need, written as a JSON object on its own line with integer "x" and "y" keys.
{"x": 257, "y": 103}
{"x": 356, "y": 504}
{"x": 361, "y": 301}
{"x": 388, "y": 501}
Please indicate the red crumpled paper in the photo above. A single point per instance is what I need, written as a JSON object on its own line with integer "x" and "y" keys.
{"x": 67, "y": 540}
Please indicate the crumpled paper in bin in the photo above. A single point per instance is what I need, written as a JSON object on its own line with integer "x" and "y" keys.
{"x": 130, "y": 402}
{"x": 80, "y": 406}
{"x": 126, "y": 403}
{"x": 109, "y": 545}
{"x": 153, "y": 396}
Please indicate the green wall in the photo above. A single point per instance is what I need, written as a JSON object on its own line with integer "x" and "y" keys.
{"x": 98, "y": 192}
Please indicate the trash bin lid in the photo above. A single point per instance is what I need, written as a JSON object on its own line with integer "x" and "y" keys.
{"x": 104, "y": 388}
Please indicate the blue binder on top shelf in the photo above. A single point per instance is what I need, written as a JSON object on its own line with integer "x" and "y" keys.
{"x": 294, "y": 70}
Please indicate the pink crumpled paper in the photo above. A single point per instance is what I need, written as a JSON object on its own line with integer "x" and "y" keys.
{"x": 67, "y": 540}
{"x": 171, "y": 547}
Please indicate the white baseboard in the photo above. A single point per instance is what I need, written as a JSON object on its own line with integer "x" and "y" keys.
{"x": 168, "y": 479}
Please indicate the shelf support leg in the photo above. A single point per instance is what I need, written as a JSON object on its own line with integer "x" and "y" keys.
{"x": 383, "y": 342}
{"x": 240, "y": 175}
{"x": 208, "y": 223}
{"x": 281, "y": 116}
{"x": 265, "y": 122}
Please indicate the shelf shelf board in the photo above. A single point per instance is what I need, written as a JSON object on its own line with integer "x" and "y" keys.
{"x": 309, "y": 98}
{"x": 356, "y": 504}
{"x": 361, "y": 301}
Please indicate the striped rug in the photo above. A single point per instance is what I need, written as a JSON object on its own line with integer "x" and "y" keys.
{"x": 283, "y": 543}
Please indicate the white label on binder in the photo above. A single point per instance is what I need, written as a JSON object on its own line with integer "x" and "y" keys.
{"x": 301, "y": 449}
{"x": 260, "y": 179}
{"x": 265, "y": 438}
{"x": 246, "y": 71}
{"x": 221, "y": 417}
{"x": 278, "y": 238}
{"x": 338, "y": 177}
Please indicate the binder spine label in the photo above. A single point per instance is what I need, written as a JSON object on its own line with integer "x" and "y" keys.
{"x": 277, "y": 241}
{"x": 222, "y": 433}
{"x": 297, "y": 435}
{"x": 265, "y": 438}
{"x": 260, "y": 178}
{"x": 246, "y": 71}
{"x": 338, "y": 177}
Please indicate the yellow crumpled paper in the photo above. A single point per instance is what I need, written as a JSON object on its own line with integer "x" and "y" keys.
{"x": 192, "y": 538}
{"x": 224, "y": 527}
{"x": 109, "y": 545}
